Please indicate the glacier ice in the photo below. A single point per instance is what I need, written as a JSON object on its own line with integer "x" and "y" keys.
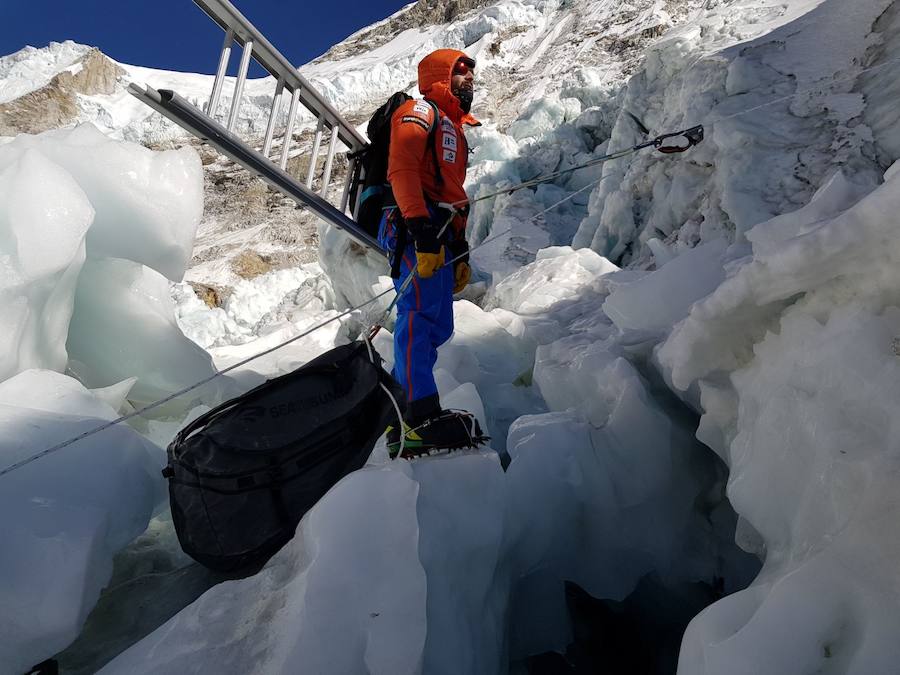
{"x": 799, "y": 403}
{"x": 44, "y": 216}
{"x": 124, "y": 325}
{"x": 662, "y": 299}
{"x": 65, "y": 515}
{"x": 65, "y": 197}
{"x": 347, "y": 594}
{"x": 557, "y": 275}
{"x": 784, "y": 343}
{"x": 147, "y": 204}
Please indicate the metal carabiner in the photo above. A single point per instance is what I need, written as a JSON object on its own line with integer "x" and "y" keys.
{"x": 694, "y": 136}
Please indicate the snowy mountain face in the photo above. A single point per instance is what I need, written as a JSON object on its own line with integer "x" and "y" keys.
{"x": 527, "y": 50}
{"x": 687, "y": 363}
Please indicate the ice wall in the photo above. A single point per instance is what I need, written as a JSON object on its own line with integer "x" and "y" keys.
{"x": 794, "y": 358}
{"x": 415, "y": 567}
{"x": 124, "y": 325}
{"x": 71, "y": 195}
{"x": 69, "y": 200}
{"x": 39, "y": 203}
{"x": 64, "y": 516}
{"x": 780, "y": 114}
{"x": 147, "y": 204}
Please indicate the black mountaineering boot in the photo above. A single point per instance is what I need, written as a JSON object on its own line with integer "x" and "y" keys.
{"x": 416, "y": 412}
{"x": 445, "y": 431}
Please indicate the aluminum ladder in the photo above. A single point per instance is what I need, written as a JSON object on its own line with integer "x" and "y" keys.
{"x": 204, "y": 124}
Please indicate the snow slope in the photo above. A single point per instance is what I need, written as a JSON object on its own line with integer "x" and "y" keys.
{"x": 738, "y": 300}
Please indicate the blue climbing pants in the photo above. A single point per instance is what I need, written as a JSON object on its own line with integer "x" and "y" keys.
{"x": 424, "y": 315}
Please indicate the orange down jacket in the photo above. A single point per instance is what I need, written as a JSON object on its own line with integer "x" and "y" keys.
{"x": 411, "y": 169}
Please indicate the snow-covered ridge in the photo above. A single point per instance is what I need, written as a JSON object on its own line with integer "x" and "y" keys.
{"x": 31, "y": 68}
{"x": 516, "y": 42}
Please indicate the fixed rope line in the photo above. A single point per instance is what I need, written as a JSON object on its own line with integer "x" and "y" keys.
{"x": 488, "y": 240}
{"x": 693, "y": 135}
{"x": 207, "y": 380}
{"x": 185, "y": 390}
{"x": 808, "y": 90}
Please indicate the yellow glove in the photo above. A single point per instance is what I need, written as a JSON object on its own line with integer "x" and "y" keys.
{"x": 462, "y": 272}
{"x": 429, "y": 263}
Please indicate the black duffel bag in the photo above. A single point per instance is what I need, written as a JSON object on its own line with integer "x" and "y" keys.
{"x": 242, "y": 475}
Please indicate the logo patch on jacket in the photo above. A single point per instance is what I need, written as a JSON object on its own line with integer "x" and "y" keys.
{"x": 448, "y": 140}
{"x": 422, "y": 108}
{"x": 416, "y": 120}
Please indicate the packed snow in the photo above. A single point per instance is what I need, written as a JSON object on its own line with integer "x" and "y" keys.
{"x": 650, "y": 342}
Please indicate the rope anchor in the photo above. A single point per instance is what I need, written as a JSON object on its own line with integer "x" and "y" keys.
{"x": 693, "y": 136}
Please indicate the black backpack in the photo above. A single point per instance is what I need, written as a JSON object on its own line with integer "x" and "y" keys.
{"x": 369, "y": 185}
{"x": 242, "y": 475}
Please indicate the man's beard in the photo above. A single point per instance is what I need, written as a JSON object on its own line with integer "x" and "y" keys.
{"x": 465, "y": 96}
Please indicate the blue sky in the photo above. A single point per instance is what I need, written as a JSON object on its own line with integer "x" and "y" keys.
{"x": 176, "y": 34}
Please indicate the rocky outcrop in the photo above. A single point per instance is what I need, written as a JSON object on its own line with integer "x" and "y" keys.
{"x": 56, "y": 103}
{"x": 213, "y": 296}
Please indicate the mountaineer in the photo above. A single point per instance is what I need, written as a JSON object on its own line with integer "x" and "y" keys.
{"x": 425, "y": 230}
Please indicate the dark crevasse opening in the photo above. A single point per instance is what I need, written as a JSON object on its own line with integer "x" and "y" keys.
{"x": 640, "y": 635}
{"x": 641, "y": 632}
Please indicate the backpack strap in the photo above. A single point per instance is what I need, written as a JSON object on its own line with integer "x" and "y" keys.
{"x": 432, "y": 132}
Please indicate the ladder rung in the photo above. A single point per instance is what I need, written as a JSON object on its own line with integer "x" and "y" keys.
{"x": 289, "y": 129}
{"x": 345, "y": 195}
{"x": 226, "y": 15}
{"x": 273, "y": 115}
{"x": 329, "y": 160}
{"x": 189, "y": 117}
{"x": 362, "y": 179}
{"x": 239, "y": 84}
{"x": 238, "y": 30}
{"x": 224, "y": 57}
{"x": 317, "y": 142}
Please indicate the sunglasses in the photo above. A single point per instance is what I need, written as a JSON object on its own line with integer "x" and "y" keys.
{"x": 464, "y": 66}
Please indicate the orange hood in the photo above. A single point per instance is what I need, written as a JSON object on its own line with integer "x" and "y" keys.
{"x": 435, "y": 72}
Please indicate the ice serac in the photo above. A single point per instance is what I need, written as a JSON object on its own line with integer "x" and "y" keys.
{"x": 44, "y": 216}
{"x": 609, "y": 488}
{"x": 147, "y": 204}
{"x": 558, "y": 274}
{"x": 660, "y": 300}
{"x": 780, "y": 111}
{"x": 827, "y": 595}
{"x": 347, "y": 595}
{"x": 64, "y": 515}
{"x": 461, "y": 500}
{"x": 795, "y": 357}
{"x": 124, "y": 326}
